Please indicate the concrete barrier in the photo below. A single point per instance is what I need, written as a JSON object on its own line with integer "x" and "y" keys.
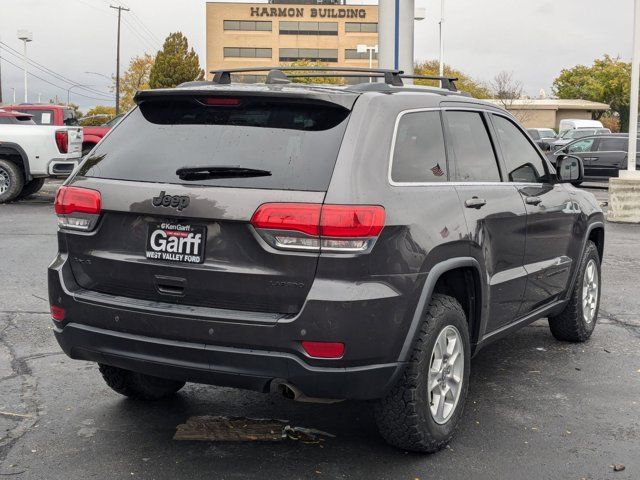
{"x": 624, "y": 200}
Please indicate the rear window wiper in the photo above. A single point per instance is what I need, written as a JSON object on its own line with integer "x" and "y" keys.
{"x": 205, "y": 172}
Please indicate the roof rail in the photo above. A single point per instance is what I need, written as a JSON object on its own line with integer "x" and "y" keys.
{"x": 278, "y": 75}
{"x": 448, "y": 83}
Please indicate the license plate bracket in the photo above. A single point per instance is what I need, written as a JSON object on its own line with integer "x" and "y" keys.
{"x": 176, "y": 242}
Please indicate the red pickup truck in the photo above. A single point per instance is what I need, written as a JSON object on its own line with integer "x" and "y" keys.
{"x": 48, "y": 114}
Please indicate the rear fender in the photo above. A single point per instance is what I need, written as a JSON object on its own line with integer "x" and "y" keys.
{"x": 16, "y": 151}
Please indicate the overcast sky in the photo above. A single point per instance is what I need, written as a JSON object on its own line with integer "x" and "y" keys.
{"x": 533, "y": 39}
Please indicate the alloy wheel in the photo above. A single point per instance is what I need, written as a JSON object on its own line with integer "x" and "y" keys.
{"x": 5, "y": 180}
{"x": 446, "y": 372}
{"x": 590, "y": 287}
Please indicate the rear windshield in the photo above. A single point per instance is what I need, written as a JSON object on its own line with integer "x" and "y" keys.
{"x": 296, "y": 141}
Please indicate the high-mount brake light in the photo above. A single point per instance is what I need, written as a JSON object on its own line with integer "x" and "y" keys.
{"x": 62, "y": 141}
{"x": 222, "y": 101}
{"x": 78, "y": 208}
{"x": 317, "y": 227}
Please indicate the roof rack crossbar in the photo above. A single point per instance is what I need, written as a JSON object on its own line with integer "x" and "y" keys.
{"x": 391, "y": 77}
{"x": 448, "y": 83}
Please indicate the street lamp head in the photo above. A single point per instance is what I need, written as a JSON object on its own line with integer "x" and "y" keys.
{"x": 25, "y": 35}
{"x": 361, "y": 48}
{"x": 420, "y": 14}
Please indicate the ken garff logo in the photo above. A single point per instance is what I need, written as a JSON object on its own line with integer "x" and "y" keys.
{"x": 178, "y": 202}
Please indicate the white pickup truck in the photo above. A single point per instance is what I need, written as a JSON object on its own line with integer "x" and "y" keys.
{"x": 30, "y": 153}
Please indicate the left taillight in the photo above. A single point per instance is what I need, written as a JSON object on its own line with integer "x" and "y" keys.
{"x": 78, "y": 208}
{"x": 62, "y": 141}
{"x": 318, "y": 227}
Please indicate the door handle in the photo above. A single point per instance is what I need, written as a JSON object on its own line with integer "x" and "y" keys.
{"x": 592, "y": 159}
{"x": 533, "y": 200}
{"x": 475, "y": 202}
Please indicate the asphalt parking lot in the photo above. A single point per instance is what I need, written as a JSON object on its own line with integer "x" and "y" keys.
{"x": 537, "y": 408}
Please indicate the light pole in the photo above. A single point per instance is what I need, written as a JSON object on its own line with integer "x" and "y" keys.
{"x": 26, "y": 36}
{"x": 635, "y": 86}
{"x": 441, "y": 24}
{"x": 371, "y": 49}
{"x": 71, "y": 88}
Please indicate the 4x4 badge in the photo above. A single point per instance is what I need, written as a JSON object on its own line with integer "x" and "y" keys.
{"x": 178, "y": 202}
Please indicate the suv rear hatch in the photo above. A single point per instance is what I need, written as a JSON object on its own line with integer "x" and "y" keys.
{"x": 185, "y": 236}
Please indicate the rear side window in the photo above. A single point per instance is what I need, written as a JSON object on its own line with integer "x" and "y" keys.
{"x": 534, "y": 134}
{"x": 419, "y": 153}
{"x": 474, "y": 158}
{"x": 297, "y": 141}
{"x": 520, "y": 157}
{"x": 41, "y": 117}
{"x": 613, "y": 145}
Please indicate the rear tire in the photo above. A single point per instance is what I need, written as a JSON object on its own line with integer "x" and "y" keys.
{"x": 11, "y": 180}
{"x": 578, "y": 319}
{"x": 410, "y": 417}
{"x": 137, "y": 385}
{"x": 31, "y": 187}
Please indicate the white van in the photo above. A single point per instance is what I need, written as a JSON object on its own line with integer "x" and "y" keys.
{"x": 574, "y": 124}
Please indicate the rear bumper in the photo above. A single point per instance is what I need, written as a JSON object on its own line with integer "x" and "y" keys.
{"x": 241, "y": 349}
{"x": 225, "y": 366}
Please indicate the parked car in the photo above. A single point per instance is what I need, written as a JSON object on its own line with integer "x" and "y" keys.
{"x": 570, "y": 135}
{"x": 30, "y": 153}
{"x": 603, "y": 155}
{"x": 329, "y": 243}
{"x": 543, "y": 137}
{"x": 574, "y": 124}
{"x": 11, "y": 117}
{"x": 49, "y": 114}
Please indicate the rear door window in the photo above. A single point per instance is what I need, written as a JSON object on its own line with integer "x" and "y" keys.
{"x": 419, "y": 153}
{"x": 296, "y": 140}
{"x": 522, "y": 161}
{"x": 470, "y": 146}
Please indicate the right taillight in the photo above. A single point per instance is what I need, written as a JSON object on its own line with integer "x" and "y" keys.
{"x": 317, "y": 227}
{"x": 78, "y": 208}
{"x": 62, "y": 141}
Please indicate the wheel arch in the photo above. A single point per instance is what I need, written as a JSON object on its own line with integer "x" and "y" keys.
{"x": 14, "y": 153}
{"x": 445, "y": 278}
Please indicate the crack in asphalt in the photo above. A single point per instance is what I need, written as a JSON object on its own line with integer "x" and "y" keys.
{"x": 28, "y": 393}
{"x": 630, "y": 327}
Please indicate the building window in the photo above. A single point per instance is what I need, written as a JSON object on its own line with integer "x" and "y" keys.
{"x": 308, "y": 28}
{"x": 241, "y": 52}
{"x": 315, "y": 54}
{"x": 248, "y": 26}
{"x": 361, "y": 27}
{"x": 352, "y": 54}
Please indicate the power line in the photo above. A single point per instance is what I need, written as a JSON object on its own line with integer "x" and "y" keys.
{"x": 47, "y": 81}
{"x": 147, "y": 39}
{"x": 48, "y": 71}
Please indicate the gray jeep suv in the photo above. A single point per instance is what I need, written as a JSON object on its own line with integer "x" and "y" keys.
{"x": 354, "y": 242}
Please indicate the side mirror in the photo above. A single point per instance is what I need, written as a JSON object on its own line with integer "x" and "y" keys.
{"x": 570, "y": 169}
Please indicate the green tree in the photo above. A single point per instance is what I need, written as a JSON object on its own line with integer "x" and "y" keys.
{"x": 465, "y": 83}
{"x": 98, "y": 115}
{"x": 135, "y": 78}
{"x": 175, "y": 63}
{"x": 608, "y": 80}
{"x": 315, "y": 80}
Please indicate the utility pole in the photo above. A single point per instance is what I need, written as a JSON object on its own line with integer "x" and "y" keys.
{"x": 441, "y": 24}
{"x": 0, "y": 73}
{"x": 120, "y": 9}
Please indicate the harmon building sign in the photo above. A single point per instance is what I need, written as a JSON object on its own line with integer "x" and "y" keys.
{"x": 298, "y": 12}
